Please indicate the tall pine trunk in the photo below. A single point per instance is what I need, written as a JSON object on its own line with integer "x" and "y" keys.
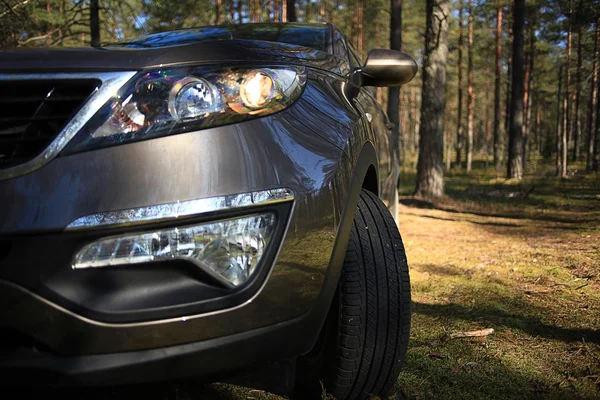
{"x": 218, "y": 9}
{"x": 470, "y": 96}
{"x": 359, "y": 20}
{"x": 577, "y": 99}
{"x": 593, "y": 105}
{"x": 515, "y": 140}
{"x": 291, "y": 10}
{"x": 460, "y": 128}
{"x": 393, "y": 106}
{"x": 559, "y": 116}
{"x": 430, "y": 166}
{"x": 509, "y": 21}
{"x": 95, "y": 23}
{"x": 527, "y": 96}
{"x": 497, "y": 83}
{"x": 596, "y": 162}
{"x": 566, "y": 127}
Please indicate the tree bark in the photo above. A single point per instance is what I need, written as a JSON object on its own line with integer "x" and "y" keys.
{"x": 497, "y": 110}
{"x": 393, "y": 106}
{"x": 509, "y": 21}
{"x": 291, "y": 10}
{"x": 515, "y": 145}
{"x": 359, "y": 20}
{"x": 577, "y": 98}
{"x": 593, "y": 105}
{"x": 460, "y": 128}
{"x": 566, "y": 131}
{"x": 239, "y": 11}
{"x": 596, "y": 163}
{"x": 527, "y": 96}
{"x": 218, "y": 6}
{"x": 430, "y": 166}
{"x": 95, "y": 23}
{"x": 559, "y": 116}
{"x": 470, "y": 96}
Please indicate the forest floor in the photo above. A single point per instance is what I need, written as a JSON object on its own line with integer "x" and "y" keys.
{"x": 521, "y": 258}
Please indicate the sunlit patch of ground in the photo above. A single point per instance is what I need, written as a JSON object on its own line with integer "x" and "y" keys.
{"x": 526, "y": 265}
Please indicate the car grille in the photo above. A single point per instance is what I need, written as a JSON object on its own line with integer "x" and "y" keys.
{"x": 32, "y": 114}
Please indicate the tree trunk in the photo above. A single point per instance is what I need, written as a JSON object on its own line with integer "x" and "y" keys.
{"x": 330, "y": 8}
{"x": 61, "y": 8}
{"x": 470, "y": 97}
{"x": 593, "y": 105}
{"x": 566, "y": 127}
{"x": 239, "y": 11}
{"x": 359, "y": 20}
{"x": 430, "y": 166}
{"x": 577, "y": 99}
{"x": 508, "y": 73}
{"x": 559, "y": 122}
{"x": 528, "y": 87}
{"x": 218, "y": 6}
{"x": 414, "y": 128}
{"x": 596, "y": 163}
{"x": 497, "y": 83}
{"x": 95, "y": 23}
{"x": 393, "y": 106}
{"x": 515, "y": 145}
{"x": 322, "y": 11}
{"x": 488, "y": 129}
{"x": 291, "y": 10}
{"x": 459, "y": 135}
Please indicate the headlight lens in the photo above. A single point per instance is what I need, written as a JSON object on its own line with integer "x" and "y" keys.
{"x": 228, "y": 250}
{"x": 171, "y": 101}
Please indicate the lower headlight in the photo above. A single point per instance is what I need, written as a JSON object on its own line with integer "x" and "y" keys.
{"x": 229, "y": 250}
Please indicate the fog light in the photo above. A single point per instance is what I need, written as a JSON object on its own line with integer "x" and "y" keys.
{"x": 228, "y": 250}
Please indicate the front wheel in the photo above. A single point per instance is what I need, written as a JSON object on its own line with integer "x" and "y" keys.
{"x": 369, "y": 322}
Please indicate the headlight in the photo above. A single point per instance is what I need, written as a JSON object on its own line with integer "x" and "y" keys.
{"x": 172, "y": 101}
{"x": 228, "y": 250}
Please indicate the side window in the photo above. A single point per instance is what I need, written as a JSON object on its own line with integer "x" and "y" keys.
{"x": 355, "y": 60}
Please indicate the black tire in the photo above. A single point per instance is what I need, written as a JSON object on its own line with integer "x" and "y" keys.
{"x": 372, "y": 308}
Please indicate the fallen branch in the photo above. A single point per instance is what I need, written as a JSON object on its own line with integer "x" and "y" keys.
{"x": 483, "y": 332}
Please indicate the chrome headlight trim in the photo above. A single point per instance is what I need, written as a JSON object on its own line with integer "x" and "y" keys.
{"x": 111, "y": 83}
{"x": 172, "y": 211}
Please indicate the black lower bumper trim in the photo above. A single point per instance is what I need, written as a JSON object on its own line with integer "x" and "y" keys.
{"x": 211, "y": 358}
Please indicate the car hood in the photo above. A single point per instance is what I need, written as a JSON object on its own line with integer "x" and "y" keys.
{"x": 219, "y": 52}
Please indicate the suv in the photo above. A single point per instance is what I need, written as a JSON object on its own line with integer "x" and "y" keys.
{"x": 204, "y": 202}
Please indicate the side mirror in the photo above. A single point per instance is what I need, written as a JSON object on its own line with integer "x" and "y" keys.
{"x": 388, "y": 68}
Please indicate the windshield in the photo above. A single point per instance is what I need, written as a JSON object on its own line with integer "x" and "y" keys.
{"x": 313, "y": 36}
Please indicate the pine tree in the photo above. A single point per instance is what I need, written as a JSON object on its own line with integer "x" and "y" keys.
{"x": 497, "y": 83}
{"x": 515, "y": 144}
{"x": 430, "y": 165}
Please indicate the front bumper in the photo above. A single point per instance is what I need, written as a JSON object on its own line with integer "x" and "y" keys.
{"x": 284, "y": 313}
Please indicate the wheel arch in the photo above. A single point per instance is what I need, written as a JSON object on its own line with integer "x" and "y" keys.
{"x": 363, "y": 176}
